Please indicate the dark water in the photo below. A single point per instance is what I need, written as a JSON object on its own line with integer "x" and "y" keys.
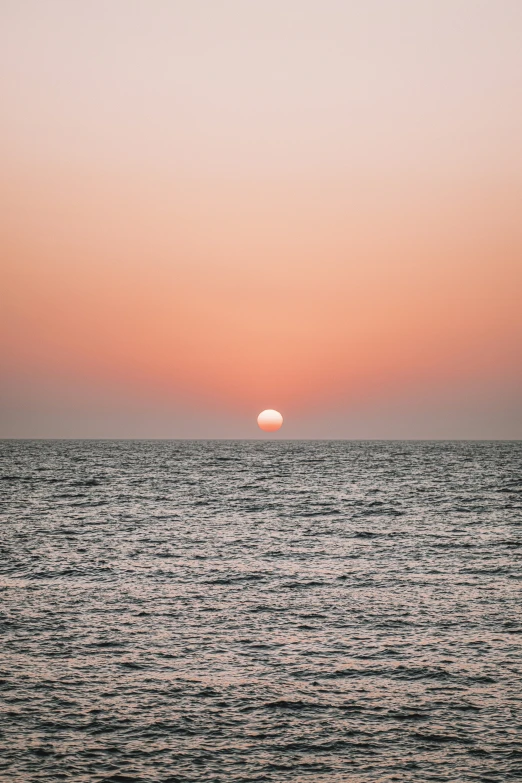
{"x": 260, "y": 611}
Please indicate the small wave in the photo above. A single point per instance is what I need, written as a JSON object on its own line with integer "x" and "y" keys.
{"x": 301, "y": 585}
{"x": 230, "y": 580}
{"x": 438, "y": 738}
{"x": 90, "y": 482}
{"x": 286, "y": 704}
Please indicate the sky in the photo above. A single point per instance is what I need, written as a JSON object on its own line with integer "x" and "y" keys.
{"x": 213, "y": 208}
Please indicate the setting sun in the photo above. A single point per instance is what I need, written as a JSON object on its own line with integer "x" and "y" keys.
{"x": 270, "y": 420}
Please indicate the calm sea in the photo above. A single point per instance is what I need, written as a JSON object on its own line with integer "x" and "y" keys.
{"x": 260, "y": 611}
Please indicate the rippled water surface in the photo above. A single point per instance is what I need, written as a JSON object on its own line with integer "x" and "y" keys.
{"x": 260, "y": 611}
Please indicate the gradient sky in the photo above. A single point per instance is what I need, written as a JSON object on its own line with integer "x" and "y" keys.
{"x": 211, "y": 208}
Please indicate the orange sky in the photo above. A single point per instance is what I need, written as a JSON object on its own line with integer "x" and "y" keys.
{"x": 213, "y": 209}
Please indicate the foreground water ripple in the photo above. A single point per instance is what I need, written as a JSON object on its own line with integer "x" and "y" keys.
{"x": 260, "y": 611}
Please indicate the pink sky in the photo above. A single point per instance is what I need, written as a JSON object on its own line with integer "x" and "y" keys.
{"x": 215, "y": 208}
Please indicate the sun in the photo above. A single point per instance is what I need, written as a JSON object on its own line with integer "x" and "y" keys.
{"x": 270, "y": 420}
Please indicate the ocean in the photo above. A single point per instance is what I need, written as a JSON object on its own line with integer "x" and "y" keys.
{"x": 219, "y": 611}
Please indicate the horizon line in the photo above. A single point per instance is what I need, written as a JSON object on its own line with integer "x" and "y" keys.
{"x": 279, "y": 440}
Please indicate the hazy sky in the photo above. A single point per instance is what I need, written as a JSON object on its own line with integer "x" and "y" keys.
{"x": 211, "y": 208}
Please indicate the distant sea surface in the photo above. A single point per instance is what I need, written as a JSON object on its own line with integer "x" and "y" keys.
{"x": 178, "y": 611}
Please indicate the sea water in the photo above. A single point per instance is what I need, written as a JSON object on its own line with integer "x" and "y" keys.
{"x": 260, "y": 611}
